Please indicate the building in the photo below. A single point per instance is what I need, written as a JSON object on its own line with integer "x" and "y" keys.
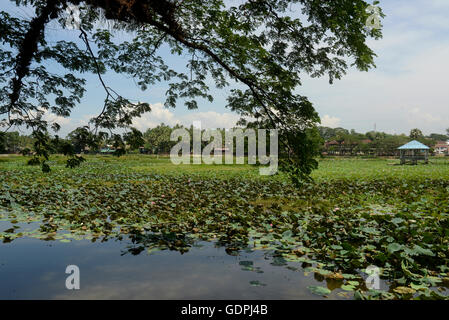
{"x": 441, "y": 148}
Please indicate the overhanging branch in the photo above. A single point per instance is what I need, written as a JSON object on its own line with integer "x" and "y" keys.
{"x": 29, "y": 47}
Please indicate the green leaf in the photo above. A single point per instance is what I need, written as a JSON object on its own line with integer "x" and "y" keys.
{"x": 347, "y": 287}
{"x": 417, "y": 250}
{"x": 256, "y": 283}
{"x": 321, "y": 291}
{"x": 393, "y": 247}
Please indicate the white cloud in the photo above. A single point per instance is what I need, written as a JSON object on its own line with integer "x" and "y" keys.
{"x": 67, "y": 124}
{"x": 331, "y": 122}
{"x": 418, "y": 117}
{"x": 208, "y": 119}
{"x": 51, "y": 118}
{"x": 159, "y": 114}
{"x": 211, "y": 119}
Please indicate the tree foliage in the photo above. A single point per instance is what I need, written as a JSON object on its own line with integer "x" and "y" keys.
{"x": 416, "y": 134}
{"x": 158, "y": 139}
{"x": 438, "y": 137}
{"x": 260, "y": 47}
{"x": 134, "y": 139}
{"x": 340, "y": 141}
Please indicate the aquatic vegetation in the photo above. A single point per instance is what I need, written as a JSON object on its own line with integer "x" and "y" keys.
{"x": 356, "y": 214}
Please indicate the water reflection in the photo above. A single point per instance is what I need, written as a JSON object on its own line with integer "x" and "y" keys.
{"x": 123, "y": 269}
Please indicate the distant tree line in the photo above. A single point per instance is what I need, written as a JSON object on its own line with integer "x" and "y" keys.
{"x": 14, "y": 142}
{"x": 81, "y": 140}
{"x": 332, "y": 141}
{"x": 340, "y": 141}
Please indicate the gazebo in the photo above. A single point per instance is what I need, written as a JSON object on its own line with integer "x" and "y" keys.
{"x": 414, "y": 151}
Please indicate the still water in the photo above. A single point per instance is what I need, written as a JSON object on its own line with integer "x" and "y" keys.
{"x": 35, "y": 269}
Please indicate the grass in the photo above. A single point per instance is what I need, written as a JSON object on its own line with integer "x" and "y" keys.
{"x": 357, "y": 213}
{"x": 329, "y": 168}
{"x": 366, "y": 169}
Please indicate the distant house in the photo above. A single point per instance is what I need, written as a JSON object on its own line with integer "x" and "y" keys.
{"x": 142, "y": 150}
{"x": 331, "y": 143}
{"x": 442, "y": 147}
{"x": 107, "y": 150}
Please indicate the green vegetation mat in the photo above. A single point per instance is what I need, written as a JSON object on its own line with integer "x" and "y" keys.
{"x": 356, "y": 214}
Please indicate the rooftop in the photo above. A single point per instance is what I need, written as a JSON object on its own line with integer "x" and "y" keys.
{"x": 414, "y": 145}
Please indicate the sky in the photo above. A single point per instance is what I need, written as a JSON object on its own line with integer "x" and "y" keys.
{"x": 408, "y": 89}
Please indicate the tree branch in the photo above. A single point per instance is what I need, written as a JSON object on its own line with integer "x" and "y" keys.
{"x": 29, "y": 47}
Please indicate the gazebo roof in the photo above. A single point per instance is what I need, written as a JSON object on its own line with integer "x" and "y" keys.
{"x": 414, "y": 145}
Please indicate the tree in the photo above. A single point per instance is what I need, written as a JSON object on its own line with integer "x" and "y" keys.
{"x": 134, "y": 139}
{"x": 81, "y": 138}
{"x": 158, "y": 139}
{"x": 118, "y": 144}
{"x": 2, "y": 142}
{"x": 262, "y": 45}
{"x": 12, "y": 141}
{"x": 438, "y": 137}
{"x": 326, "y": 133}
{"x": 416, "y": 134}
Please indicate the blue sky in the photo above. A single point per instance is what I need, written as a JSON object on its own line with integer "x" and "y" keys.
{"x": 408, "y": 89}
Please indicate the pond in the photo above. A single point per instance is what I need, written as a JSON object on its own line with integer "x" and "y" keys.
{"x": 115, "y": 269}
{"x": 208, "y": 236}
